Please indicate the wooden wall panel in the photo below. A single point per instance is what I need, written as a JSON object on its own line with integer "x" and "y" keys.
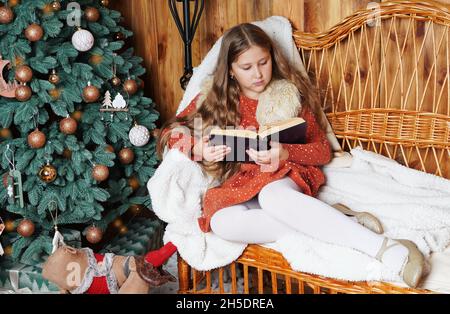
{"x": 156, "y": 38}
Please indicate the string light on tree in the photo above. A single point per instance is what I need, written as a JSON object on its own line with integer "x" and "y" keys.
{"x": 56, "y": 6}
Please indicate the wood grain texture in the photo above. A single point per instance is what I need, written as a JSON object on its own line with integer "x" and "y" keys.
{"x": 156, "y": 38}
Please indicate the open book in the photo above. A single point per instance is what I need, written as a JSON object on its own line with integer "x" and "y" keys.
{"x": 291, "y": 131}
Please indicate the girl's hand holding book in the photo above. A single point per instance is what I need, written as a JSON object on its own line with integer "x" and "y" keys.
{"x": 273, "y": 156}
{"x": 210, "y": 153}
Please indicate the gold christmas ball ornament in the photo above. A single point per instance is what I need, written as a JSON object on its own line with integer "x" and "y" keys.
{"x": 6, "y": 15}
{"x": 109, "y": 148}
{"x": 8, "y": 250}
{"x": 55, "y": 93}
{"x": 91, "y": 93}
{"x": 116, "y": 81}
{"x": 48, "y": 173}
{"x": 5, "y": 133}
{"x": 130, "y": 86}
{"x": 100, "y": 173}
{"x": 24, "y": 73}
{"x": 26, "y": 228}
{"x": 126, "y": 156}
{"x": 94, "y": 234}
{"x": 92, "y": 14}
{"x": 56, "y": 5}
{"x": 34, "y": 32}
{"x": 54, "y": 78}
{"x": 77, "y": 115}
{"x": 13, "y": 3}
{"x": 68, "y": 125}
{"x": 23, "y": 93}
{"x": 9, "y": 225}
{"x": 36, "y": 139}
{"x": 104, "y": 3}
{"x": 96, "y": 59}
{"x": 133, "y": 182}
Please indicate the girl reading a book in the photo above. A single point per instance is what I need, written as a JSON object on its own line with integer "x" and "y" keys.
{"x": 254, "y": 85}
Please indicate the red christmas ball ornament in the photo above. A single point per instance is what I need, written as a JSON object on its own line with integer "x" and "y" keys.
{"x": 68, "y": 125}
{"x": 94, "y": 234}
{"x": 34, "y": 32}
{"x": 36, "y": 139}
{"x": 26, "y": 228}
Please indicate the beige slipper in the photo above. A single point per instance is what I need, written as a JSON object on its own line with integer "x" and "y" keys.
{"x": 364, "y": 218}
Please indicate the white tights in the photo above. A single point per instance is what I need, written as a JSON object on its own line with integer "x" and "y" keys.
{"x": 281, "y": 208}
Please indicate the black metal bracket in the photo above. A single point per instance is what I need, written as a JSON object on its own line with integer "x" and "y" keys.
{"x": 187, "y": 32}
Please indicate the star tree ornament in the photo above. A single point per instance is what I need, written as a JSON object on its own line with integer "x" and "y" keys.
{"x": 139, "y": 135}
{"x": 83, "y": 40}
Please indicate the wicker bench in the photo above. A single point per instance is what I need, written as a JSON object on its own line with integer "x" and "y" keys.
{"x": 383, "y": 77}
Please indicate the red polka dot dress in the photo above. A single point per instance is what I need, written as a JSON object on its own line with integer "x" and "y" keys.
{"x": 302, "y": 166}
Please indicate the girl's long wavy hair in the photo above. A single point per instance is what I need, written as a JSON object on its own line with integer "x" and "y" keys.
{"x": 221, "y": 106}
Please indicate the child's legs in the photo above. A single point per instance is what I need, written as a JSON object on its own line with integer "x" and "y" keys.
{"x": 284, "y": 200}
{"x": 247, "y": 223}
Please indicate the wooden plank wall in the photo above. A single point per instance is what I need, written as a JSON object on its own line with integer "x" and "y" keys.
{"x": 156, "y": 38}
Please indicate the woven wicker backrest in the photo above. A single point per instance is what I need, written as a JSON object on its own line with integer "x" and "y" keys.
{"x": 383, "y": 79}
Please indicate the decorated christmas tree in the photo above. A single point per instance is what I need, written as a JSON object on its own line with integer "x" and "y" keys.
{"x": 76, "y": 146}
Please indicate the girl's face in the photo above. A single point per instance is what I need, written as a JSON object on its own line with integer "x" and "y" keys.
{"x": 253, "y": 71}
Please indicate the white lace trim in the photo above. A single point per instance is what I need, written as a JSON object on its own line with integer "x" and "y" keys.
{"x": 98, "y": 270}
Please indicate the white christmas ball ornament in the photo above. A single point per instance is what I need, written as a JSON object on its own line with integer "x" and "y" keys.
{"x": 82, "y": 40}
{"x": 139, "y": 135}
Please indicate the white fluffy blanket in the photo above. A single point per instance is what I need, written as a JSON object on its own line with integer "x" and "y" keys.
{"x": 177, "y": 187}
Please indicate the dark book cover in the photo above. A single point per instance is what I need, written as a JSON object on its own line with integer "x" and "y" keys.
{"x": 295, "y": 134}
